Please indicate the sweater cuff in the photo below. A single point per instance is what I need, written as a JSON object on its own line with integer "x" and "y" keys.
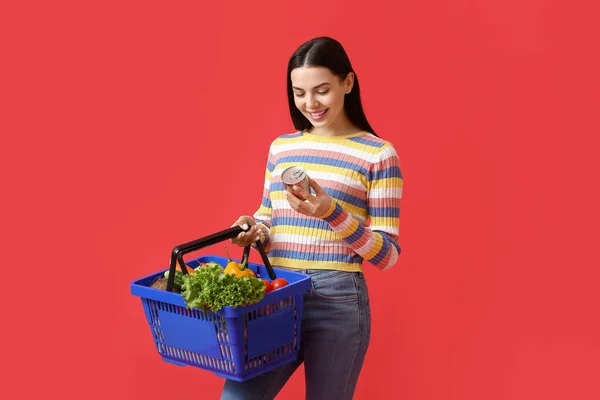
{"x": 334, "y": 212}
{"x": 332, "y": 208}
{"x": 342, "y": 222}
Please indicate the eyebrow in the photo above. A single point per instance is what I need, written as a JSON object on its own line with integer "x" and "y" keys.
{"x": 316, "y": 87}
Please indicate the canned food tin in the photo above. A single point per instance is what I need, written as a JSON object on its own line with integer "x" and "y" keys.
{"x": 295, "y": 175}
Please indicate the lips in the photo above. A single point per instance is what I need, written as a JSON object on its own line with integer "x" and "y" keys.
{"x": 317, "y": 115}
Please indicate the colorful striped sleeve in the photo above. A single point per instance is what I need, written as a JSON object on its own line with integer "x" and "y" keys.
{"x": 263, "y": 215}
{"x": 378, "y": 242}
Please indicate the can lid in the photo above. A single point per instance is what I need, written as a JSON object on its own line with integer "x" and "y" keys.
{"x": 293, "y": 175}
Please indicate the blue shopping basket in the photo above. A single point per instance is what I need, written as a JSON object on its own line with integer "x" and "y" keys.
{"x": 234, "y": 343}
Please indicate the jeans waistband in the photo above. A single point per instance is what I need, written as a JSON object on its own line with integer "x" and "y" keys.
{"x": 322, "y": 272}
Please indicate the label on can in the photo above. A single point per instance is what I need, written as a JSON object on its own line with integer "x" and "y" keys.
{"x": 295, "y": 175}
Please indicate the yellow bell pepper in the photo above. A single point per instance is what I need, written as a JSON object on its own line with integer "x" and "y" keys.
{"x": 233, "y": 268}
{"x": 238, "y": 270}
{"x": 244, "y": 270}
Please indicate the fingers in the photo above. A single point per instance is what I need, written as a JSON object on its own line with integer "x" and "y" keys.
{"x": 313, "y": 184}
{"x": 250, "y": 236}
{"x": 300, "y": 192}
{"x": 252, "y": 231}
{"x": 294, "y": 201}
{"x": 306, "y": 203}
{"x": 244, "y": 222}
{"x": 313, "y": 206}
{"x": 247, "y": 240}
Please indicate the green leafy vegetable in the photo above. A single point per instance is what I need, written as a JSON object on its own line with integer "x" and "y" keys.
{"x": 211, "y": 263}
{"x": 178, "y": 281}
{"x": 210, "y": 289}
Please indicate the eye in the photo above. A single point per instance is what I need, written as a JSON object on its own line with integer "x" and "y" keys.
{"x": 299, "y": 94}
{"x": 324, "y": 91}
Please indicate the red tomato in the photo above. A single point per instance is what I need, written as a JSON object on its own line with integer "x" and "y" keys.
{"x": 268, "y": 286}
{"x": 278, "y": 283}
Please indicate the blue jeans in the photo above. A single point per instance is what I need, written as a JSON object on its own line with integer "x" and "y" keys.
{"x": 336, "y": 330}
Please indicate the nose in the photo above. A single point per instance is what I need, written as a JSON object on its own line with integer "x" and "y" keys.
{"x": 311, "y": 102}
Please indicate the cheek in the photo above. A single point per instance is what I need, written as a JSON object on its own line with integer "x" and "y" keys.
{"x": 337, "y": 102}
{"x": 299, "y": 103}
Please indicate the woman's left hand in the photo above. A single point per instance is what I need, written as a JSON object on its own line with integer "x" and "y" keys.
{"x": 314, "y": 205}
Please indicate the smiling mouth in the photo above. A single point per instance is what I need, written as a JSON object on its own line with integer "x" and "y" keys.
{"x": 318, "y": 115}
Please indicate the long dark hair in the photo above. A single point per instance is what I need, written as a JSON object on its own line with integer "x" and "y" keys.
{"x": 326, "y": 52}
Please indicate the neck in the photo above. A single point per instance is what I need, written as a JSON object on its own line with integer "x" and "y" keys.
{"x": 341, "y": 127}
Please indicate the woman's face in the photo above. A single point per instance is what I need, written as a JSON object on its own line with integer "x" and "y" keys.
{"x": 319, "y": 95}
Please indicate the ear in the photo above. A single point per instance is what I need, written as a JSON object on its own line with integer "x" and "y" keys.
{"x": 349, "y": 82}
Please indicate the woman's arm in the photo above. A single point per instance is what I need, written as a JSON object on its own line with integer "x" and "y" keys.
{"x": 377, "y": 243}
{"x": 263, "y": 215}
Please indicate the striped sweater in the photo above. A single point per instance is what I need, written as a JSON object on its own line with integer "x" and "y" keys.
{"x": 361, "y": 173}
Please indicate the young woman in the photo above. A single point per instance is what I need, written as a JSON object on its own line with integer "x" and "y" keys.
{"x": 353, "y": 215}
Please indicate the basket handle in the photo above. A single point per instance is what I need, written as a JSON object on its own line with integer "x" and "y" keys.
{"x": 265, "y": 259}
{"x": 179, "y": 251}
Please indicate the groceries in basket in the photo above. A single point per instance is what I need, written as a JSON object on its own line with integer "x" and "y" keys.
{"x": 210, "y": 286}
{"x": 211, "y": 316}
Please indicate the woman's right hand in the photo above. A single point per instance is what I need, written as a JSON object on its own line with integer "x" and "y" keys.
{"x": 252, "y": 233}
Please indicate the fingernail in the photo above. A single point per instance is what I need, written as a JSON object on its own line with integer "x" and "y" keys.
{"x": 296, "y": 188}
{"x": 256, "y": 239}
{"x": 245, "y": 226}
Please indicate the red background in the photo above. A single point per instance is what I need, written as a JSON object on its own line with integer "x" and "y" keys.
{"x": 131, "y": 127}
